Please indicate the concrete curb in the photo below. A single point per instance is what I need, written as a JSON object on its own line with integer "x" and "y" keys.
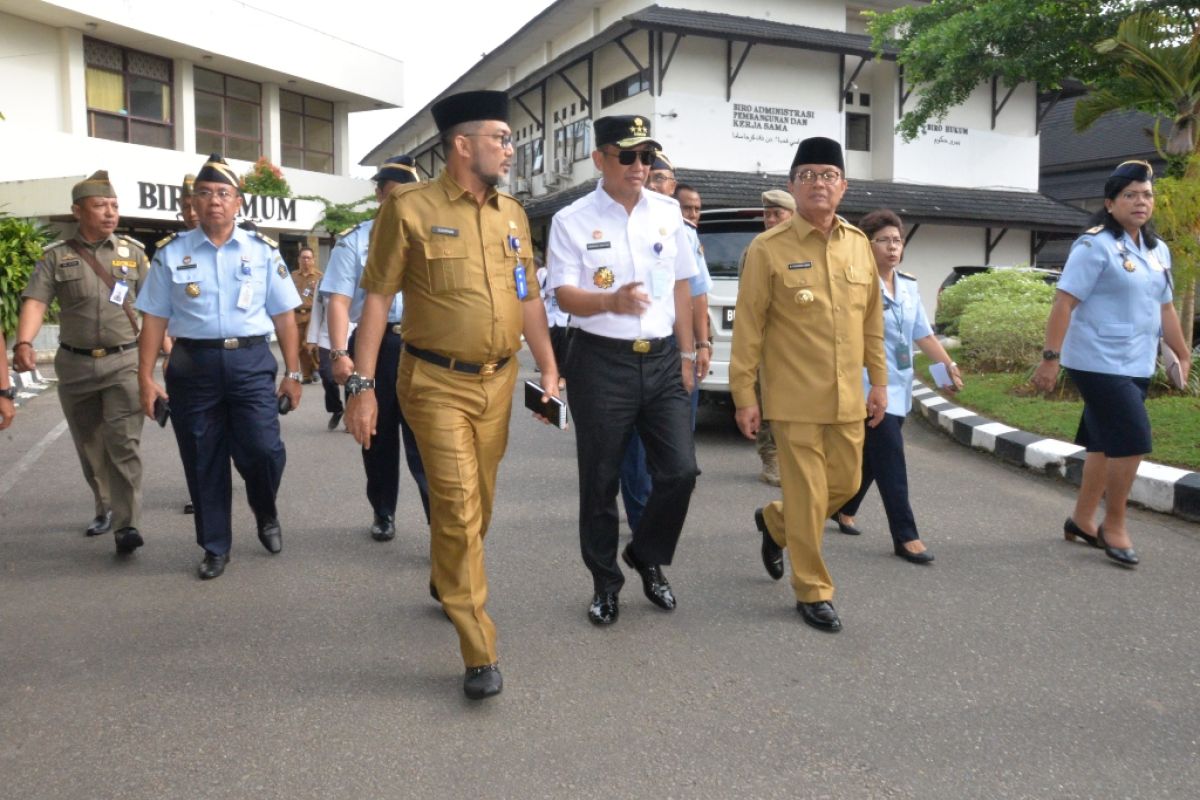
{"x": 28, "y": 385}
{"x": 1157, "y": 486}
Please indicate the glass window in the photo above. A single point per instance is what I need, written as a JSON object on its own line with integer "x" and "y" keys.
{"x": 306, "y": 132}
{"x": 228, "y": 115}
{"x": 582, "y": 140}
{"x": 636, "y": 83}
{"x": 858, "y": 131}
{"x": 128, "y": 95}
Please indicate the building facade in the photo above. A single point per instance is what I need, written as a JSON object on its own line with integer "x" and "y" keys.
{"x": 146, "y": 89}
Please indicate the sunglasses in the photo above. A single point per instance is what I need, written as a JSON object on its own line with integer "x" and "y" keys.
{"x": 627, "y": 157}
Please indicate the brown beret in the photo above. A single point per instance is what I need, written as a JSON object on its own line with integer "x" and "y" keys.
{"x": 778, "y": 198}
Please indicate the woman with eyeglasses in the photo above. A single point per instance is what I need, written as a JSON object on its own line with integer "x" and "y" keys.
{"x": 904, "y": 323}
{"x": 1112, "y": 305}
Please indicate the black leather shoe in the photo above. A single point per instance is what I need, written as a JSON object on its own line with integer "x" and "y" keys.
{"x": 128, "y": 540}
{"x": 101, "y": 525}
{"x": 849, "y": 530}
{"x": 1125, "y": 556}
{"x": 271, "y": 535}
{"x": 334, "y": 419}
{"x": 1071, "y": 532}
{"x": 383, "y": 529}
{"x": 916, "y": 558}
{"x": 654, "y": 583}
{"x": 481, "y": 682}
{"x": 212, "y": 566}
{"x": 604, "y": 609}
{"x": 433, "y": 592}
{"x": 772, "y": 554}
{"x": 820, "y": 615}
{"x": 188, "y": 508}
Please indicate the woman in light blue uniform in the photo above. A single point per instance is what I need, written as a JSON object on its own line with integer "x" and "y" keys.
{"x": 1112, "y": 305}
{"x": 904, "y": 323}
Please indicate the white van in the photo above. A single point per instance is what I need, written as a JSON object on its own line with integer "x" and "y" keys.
{"x": 724, "y": 234}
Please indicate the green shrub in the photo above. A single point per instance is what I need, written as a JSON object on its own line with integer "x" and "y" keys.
{"x": 21, "y": 243}
{"x": 998, "y": 284}
{"x": 1004, "y": 334}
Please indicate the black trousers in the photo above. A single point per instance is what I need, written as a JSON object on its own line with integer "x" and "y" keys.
{"x": 223, "y": 406}
{"x": 382, "y": 461}
{"x": 884, "y": 464}
{"x": 612, "y": 394}
{"x": 333, "y": 396}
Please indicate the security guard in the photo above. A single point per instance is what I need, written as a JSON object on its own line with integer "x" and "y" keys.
{"x": 461, "y": 253}
{"x": 381, "y": 459}
{"x": 96, "y": 275}
{"x": 620, "y": 259}
{"x": 307, "y": 278}
{"x": 220, "y": 291}
{"x": 809, "y": 314}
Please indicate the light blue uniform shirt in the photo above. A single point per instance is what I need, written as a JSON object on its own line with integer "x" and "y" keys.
{"x": 216, "y": 277}
{"x": 1116, "y": 326}
{"x": 345, "y": 268}
{"x": 701, "y": 282}
{"x": 904, "y": 322}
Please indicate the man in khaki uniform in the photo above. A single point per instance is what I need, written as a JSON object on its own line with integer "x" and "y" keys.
{"x": 809, "y": 316}
{"x": 95, "y": 276}
{"x": 461, "y": 253}
{"x": 307, "y": 278}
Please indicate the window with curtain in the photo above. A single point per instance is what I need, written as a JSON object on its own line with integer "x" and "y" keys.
{"x": 128, "y": 95}
{"x": 306, "y": 132}
{"x": 228, "y": 115}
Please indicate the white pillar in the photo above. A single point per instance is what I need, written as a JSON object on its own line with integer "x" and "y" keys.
{"x": 184, "y": 98}
{"x": 272, "y": 146}
{"x": 341, "y": 139}
{"x": 72, "y": 82}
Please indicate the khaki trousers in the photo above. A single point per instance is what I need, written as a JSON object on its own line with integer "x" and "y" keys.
{"x": 308, "y": 361}
{"x": 460, "y": 422}
{"x": 820, "y": 467}
{"x": 99, "y": 398}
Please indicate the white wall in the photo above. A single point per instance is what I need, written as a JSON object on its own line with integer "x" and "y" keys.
{"x": 936, "y": 249}
{"x": 32, "y": 71}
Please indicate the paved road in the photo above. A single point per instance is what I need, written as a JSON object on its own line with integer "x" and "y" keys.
{"x": 1017, "y": 666}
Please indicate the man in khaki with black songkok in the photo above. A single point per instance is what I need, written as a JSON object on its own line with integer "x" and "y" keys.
{"x": 95, "y": 276}
{"x": 461, "y": 253}
{"x": 809, "y": 316}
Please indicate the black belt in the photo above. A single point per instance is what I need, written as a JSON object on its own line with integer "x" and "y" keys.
{"x": 456, "y": 365}
{"x": 232, "y": 343}
{"x": 641, "y": 347}
{"x": 98, "y": 352}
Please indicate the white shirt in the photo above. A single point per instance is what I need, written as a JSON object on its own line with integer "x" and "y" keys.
{"x": 597, "y": 246}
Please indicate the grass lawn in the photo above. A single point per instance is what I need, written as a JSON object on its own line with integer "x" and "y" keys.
{"x": 1174, "y": 420}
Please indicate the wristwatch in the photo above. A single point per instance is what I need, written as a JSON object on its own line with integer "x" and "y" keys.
{"x": 334, "y": 355}
{"x": 689, "y": 356}
{"x": 704, "y": 345}
{"x": 1050, "y": 355}
{"x": 296, "y": 376}
{"x": 356, "y": 384}
{"x": 10, "y": 393}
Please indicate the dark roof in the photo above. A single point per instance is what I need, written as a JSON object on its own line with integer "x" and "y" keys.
{"x": 756, "y": 31}
{"x": 1113, "y": 138}
{"x": 916, "y": 203}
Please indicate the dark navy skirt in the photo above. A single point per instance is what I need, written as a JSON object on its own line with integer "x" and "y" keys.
{"x": 1114, "y": 420}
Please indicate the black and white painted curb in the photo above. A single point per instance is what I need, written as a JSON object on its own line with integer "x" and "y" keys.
{"x": 1157, "y": 486}
{"x": 28, "y": 385}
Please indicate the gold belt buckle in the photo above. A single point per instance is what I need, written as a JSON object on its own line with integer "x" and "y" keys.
{"x": 232, "y": 343}
{"x": 487, "y": 369}
{"x": 641, "y": 346}
{"x": 99, "y": 352}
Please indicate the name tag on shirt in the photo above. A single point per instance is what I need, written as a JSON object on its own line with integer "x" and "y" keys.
{"x": 801, "y": 265}
{"x": 119, "y": 290}
{"x": 187, "y": 266}
{"x": 660, "y": 279}
{"x": 599, "y": 245}
{"x": 245, "y": 295}
{"x": 444, "y": 231}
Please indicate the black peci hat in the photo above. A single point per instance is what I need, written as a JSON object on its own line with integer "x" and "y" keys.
{"x": 820, "y": 150}
{"x": 623, "y": 131}
{"x": 215, "y": 170}
{"x": 400, "y": 169}
{"x": 469, "y": 107}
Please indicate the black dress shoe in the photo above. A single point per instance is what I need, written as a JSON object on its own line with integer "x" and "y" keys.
{"x": 820, "y": 615}
{"x": 481, "y": 682}
{"x": 101, "y": 525}
{"x": 604, "y": 609}
{"x": 334, "y": 419}
{"x": 772, "y": 554}
{"x": 654, "y": 583}
{"x": 1071, "y": 532}
{"x": 128, "y": 540}
{"x": 271, "y": 535}
{"x": 433, "y": 592}
{"x": 1125, "y": 556}
{"x": 916, "y": 558}
{"x": 188, "y": 508}
{"x": 212, "y": 566}
{"x": 849, "y": 530}
{"x": 383, "y": 529}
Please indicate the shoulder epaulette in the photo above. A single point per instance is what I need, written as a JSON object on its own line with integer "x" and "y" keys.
{"x": 53, "y": 245}
{"x": 166, "y": 240}
{"x": 348, "y": 231}
{"x": 908, "y": 275}
{"x": 132, "y": 241}
{"x": 267, "y": 239}
{"x": 1095, "y": 230}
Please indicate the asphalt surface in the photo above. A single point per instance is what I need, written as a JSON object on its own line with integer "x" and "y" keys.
{"x": 1016, "y": 666}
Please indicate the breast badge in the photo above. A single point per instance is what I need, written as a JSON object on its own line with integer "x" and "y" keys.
{"x": 1128, "y": 265}
{"x": 804, "y": 297}
{"x": 193, "y": 290}
{"x": 603, "y": 279}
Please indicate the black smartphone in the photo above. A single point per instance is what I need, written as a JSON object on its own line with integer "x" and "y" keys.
{"x": 285, "y": 404}
{"x": 162, "y": 411}
{"x": 553, "y": 409}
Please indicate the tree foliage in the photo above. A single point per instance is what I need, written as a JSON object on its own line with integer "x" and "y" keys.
{"x": 340, "y": 216}
{"x": 21, "y": 243}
